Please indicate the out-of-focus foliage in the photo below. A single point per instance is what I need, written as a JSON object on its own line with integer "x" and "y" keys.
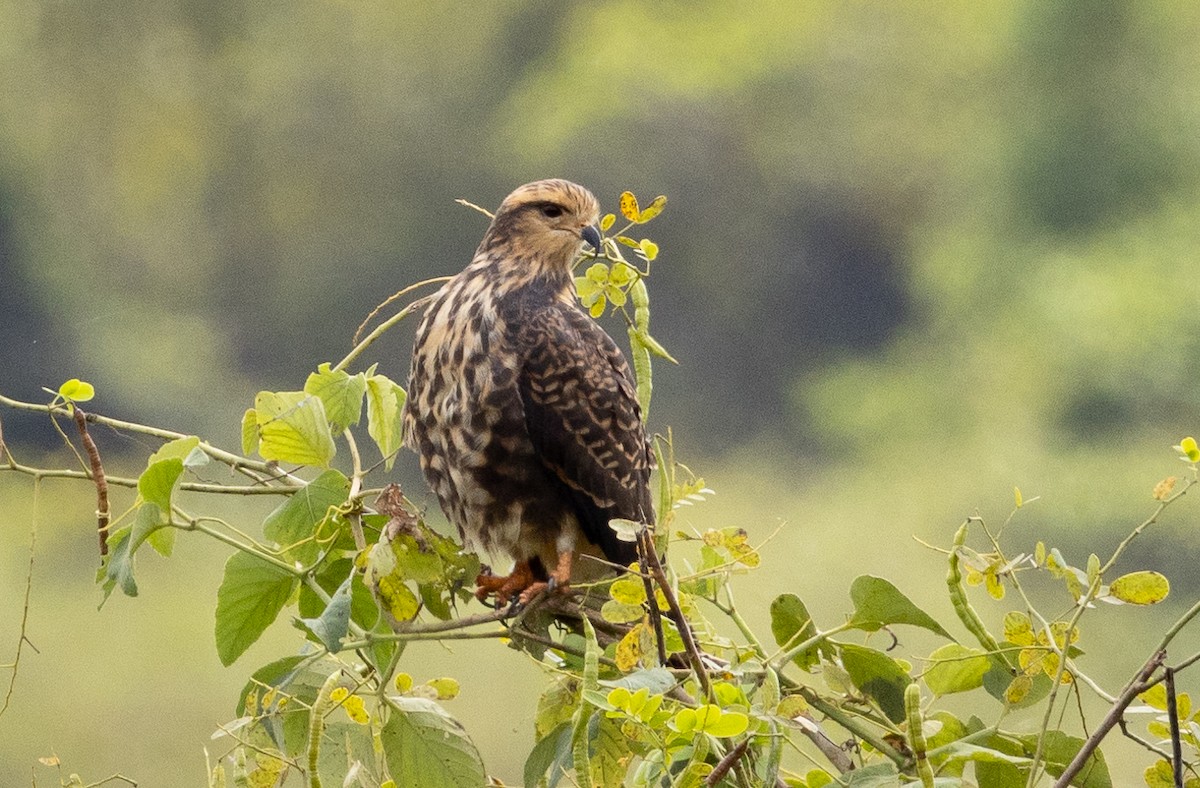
{"x": 914, "y": 196}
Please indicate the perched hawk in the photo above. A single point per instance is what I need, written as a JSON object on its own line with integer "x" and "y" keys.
{"x": 522, "y": 409}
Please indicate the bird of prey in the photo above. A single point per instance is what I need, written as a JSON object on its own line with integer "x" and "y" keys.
{"x": 522, "y": 409}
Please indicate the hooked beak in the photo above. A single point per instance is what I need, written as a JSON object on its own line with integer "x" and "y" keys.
{"x": 592, "y": 236}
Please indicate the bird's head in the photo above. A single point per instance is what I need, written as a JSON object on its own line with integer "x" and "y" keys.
{"x": 543, "y": 226}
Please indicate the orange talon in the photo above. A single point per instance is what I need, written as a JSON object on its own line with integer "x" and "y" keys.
{"x": 505, "y": 587}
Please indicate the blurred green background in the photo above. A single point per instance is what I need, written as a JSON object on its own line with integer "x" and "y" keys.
{"x": 914, "y": 255}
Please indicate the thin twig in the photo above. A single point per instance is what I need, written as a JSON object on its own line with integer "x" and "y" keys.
{"x": 1173, "y": 720}
{"x": 89, "y": 446}
{"x": 391, "y": 321}
{"x": 241, "y": 464}
{"x": 725, "y": 764}
{"x": 22, "y": 639}
{"x": 1140, "y": 683}
{"x": 646, "y": 545}
{"x": 685, "y": 630}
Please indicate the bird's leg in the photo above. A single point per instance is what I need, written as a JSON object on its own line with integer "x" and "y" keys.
{"x": 506, "y": 586}
{"x": 560, "y": 578}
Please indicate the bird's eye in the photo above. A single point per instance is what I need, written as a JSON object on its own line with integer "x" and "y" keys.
{"x": 551, "y": 211}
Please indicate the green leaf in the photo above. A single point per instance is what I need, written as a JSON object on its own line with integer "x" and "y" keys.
{"x": 792, "y": 625}
{"x": 250, "y": 597}
{"x": 292, "y": 427}
{"x": 956, "y": 668}
{"x": 729, "y": 724}
{"x": 556, "y": 705}
{"x": 273, "y": 674}
{"x": 77, "y": 390}
{"x": 961, "y": 752}
{"x": 1140, "y": 588}
{"x": 1059, "y": 749}
{"x": 878, "y": 603}
{"x": 654, "y": 680}
{"x": 879, "y": 676}
{"x": 294, "y": 523}
{"x": 620, "y": 612}
{"x": 250, "y": 431}
{"x": 551, "y": 750}
{"x": 610, "y": 752}
{"x": 331, "y": 626}
{"x": 877, "y": 775}
{"x": 157, "y": 483}
{"x": 385, "y": 404}
{"x": 123, "y": 544}
{"x": 424, "y": 747}
{"x": 341, "y": 393}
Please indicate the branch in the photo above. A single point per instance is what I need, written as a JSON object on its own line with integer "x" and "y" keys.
{"x": 685, "y": 631}
{"x": 391, "y": 321}
{"x": 722, "y": 768}
{"x": 89, "y": 446}
{"x": 1140, "y": 683}
{"x": 21, "y": 637}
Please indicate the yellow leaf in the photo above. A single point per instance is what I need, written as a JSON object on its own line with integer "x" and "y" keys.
{"x": 447, "y": 688}
{"x": 1160, "y": 775}
{"x": 1018, "y": 689}
{"x": 994, "y": 587}
{"x": 1140, "y": 588}
{"x": 629, "y": 650}
{"x": 653, "y": 209}
{"x": 339, "y": 694}
{"x": 404, "y": 682}
{"x": 1017, "y": 496}
{"x": 597, "y": 308}
{"x": 648, "y": 248}
{"x": 607, "y": 222}
{"x": 629, "y": 206}
{"x": 792, "y": 706}
{"x": 356, "y": 710}
{"x": 76, "y": 390}
{"x": 1155, "y": 697}
{"x": 1018, "y": 629}
{"x": 628, "y": 589}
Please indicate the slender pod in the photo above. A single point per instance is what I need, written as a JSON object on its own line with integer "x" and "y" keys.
{"x": 962, "y": 605}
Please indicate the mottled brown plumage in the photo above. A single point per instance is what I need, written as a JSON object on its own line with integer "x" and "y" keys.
{"x": 522, "y": 409}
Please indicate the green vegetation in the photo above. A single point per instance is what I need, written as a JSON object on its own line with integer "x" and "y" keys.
{"x": 644, "y": 687}
{"x": 915, "y": 255}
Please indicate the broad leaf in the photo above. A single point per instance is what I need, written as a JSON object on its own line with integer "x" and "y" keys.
{"x": 792, "y": 625}
{"x": 123, "y": 544}
{"x": 424, "y": 747}
{"x": 331, "y": 626}
{"x": 292, "y": 427}
{"x": 879, "y": 676}
{"x": 250, "y": 597}
{"x": 956, "y": 668}
{"x": 878, "y": 603}
{"x": 385, "y": 404}
{"x": 878, "y": 775}
{"x": 295, "y": 522}
{"x": 341, "y": 393}
{"x": 1140, "y": 588}
{"x": 550, "y": 751}
{"x": 1059, "y": 749}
